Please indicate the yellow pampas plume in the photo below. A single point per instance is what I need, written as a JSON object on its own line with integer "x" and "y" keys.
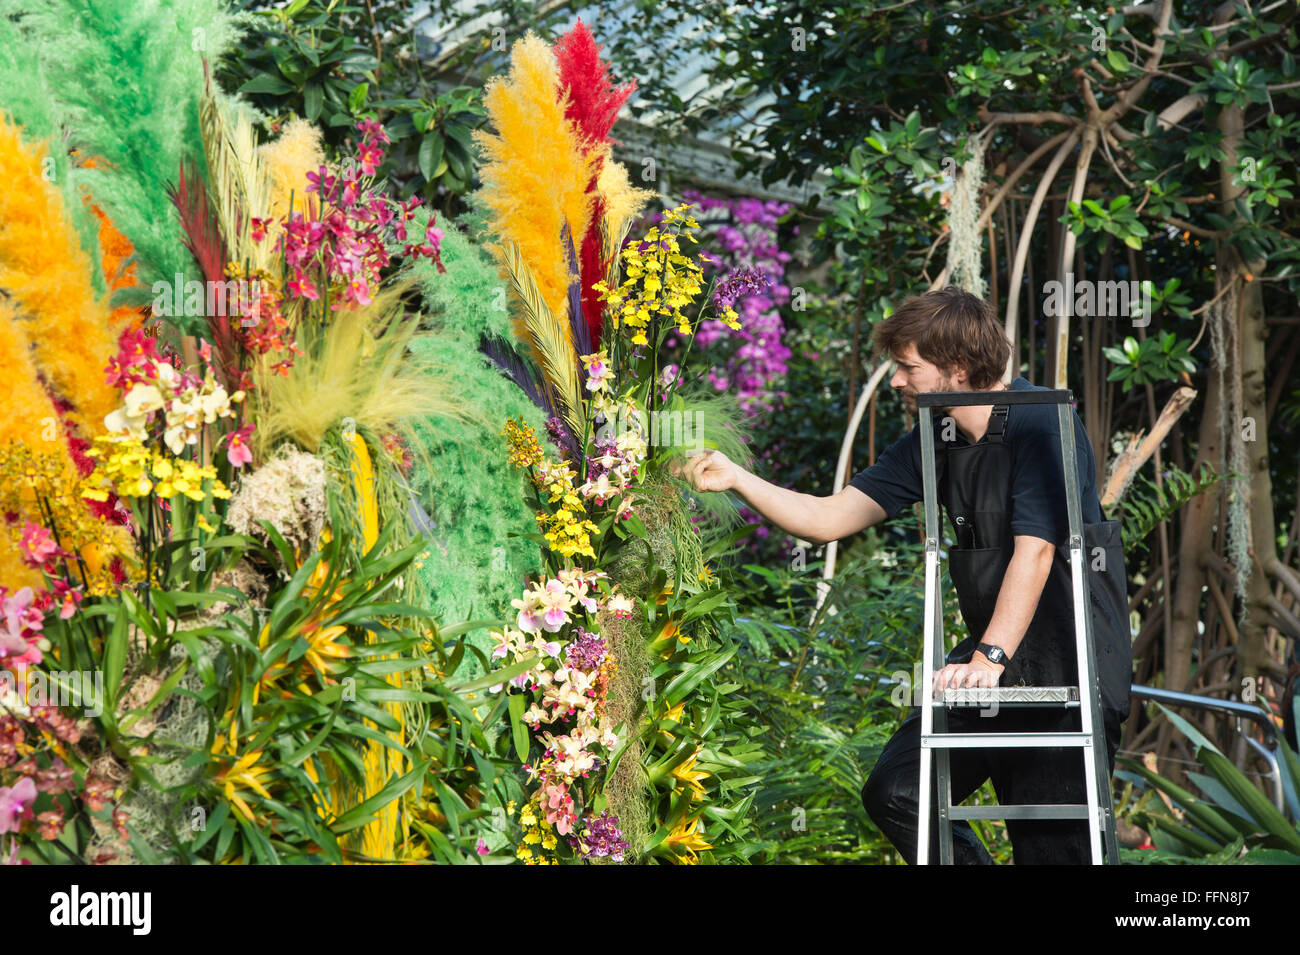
{"x": 44, "y": 268}
{"x": 536, "y": 172}
{"x": 29, "y": 415}
{"x": 623, "y": 203}
{"x": 287, "y": 161}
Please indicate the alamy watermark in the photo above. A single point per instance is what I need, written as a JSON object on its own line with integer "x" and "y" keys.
{"x": 1093, "y": 299}
{"x": 232, "y": 298}
{"x": 662, "y": 428}
{"x": 912, "y": 685}
{"x": 57, "y": 688}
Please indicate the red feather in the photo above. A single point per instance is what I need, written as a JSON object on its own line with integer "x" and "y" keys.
{"x": 202, "y": 236}
{"x": 594, "y": 103}
{"x": 594, "y": 268}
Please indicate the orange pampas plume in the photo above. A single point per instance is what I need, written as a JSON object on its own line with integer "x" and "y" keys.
{"x": 536, "y": 174}
{"x": 43, "y": 267}
{"x": 30, "y": 417}
{"x": 115, "y": 251}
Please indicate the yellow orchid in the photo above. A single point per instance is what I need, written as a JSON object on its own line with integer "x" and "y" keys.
{"x": 686, "y": 840}
{"x": 322, "y": 643}
{"x": 685, "y": 772}
{"x": 245, "y": 774}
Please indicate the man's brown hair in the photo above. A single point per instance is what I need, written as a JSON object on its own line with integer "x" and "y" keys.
{"x": 951, "y": 327}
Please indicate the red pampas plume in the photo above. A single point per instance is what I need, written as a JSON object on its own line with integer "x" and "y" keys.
{"x": 593, "y": 107}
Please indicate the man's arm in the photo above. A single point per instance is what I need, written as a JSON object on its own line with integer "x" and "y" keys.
{"x": 812, "y": 518}
{"x": 1022, "y": 587}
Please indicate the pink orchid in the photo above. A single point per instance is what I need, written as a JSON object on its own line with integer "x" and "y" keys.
{"x": 322, "y": 183}
{"x": 359, "y": 291}
{"x": 302, "y": 287}
{"x": 370, "y": 128}
{"x": 16, "y": 804}
{"x": 37, "y": 545}
{"x": 238, "y": 453}
{"x": 71, "y": 596}
{"x": 371, "y": 156}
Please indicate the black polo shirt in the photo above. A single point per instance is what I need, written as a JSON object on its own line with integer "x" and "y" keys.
{"x": 1033, "y": 438}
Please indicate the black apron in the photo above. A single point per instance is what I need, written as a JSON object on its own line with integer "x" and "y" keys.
{"x": 975, "y": 488}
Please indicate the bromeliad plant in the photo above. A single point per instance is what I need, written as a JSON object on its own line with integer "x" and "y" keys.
{"x": 1231, "y": 821}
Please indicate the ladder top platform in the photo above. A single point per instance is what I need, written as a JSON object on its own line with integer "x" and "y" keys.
{"x": 1009, "y": 696}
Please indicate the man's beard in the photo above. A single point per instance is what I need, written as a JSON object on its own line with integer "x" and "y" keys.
{"x": 909, "y": 399}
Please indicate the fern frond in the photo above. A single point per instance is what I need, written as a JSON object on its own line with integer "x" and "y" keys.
{"x": 1145, "y": 504}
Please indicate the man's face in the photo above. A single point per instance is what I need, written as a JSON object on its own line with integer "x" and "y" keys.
{"x": 915, "y": 375}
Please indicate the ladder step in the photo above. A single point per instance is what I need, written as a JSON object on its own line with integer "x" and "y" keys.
{"x": 1013, "y": 740}
{"x": 1009, "y": 696}
{"x": 1022, "y": 811}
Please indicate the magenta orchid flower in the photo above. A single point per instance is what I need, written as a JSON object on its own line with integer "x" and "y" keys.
{"x": 16, "y": 804}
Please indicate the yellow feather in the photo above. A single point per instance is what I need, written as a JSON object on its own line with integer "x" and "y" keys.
{"x": 536, "y": 172}
{"x": 241, "y": 184}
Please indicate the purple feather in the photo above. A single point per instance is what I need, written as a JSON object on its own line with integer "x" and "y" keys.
{"x": 513, "y": 367}
{"x": 577, "y": 322}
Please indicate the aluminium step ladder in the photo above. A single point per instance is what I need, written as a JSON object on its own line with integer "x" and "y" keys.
{"x": 934, "y": 719}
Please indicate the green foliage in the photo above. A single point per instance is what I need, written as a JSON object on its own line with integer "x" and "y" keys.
{"x": 320, "y": 59}
{"x": 1145, "y": 505}
{"x": 1231, "y": 822}
{"x": 1149, "y": 360}
{"x": 297, "y": 58}
{"x": 435, "y": 136}
{"x": 1120, "y": 219}
{"x": 826, "y": 697}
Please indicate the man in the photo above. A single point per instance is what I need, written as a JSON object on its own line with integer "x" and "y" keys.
{"x": 1002, "y": 485}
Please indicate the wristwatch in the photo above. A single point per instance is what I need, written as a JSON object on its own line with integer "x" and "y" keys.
{"x": 995, "y": 654}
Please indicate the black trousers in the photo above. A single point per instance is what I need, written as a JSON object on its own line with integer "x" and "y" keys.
{"x": 1026, "y": 775}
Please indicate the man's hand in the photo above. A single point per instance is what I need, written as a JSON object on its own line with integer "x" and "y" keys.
{"x": 707, "y": 471}
{"x": 981, "y": 671}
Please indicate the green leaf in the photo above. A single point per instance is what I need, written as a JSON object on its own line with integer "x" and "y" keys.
{"x": 431, "y": 149}
{"x": 357, "y": 98}
{"x": 313, "y": 98}
{"x": 691, "y": 676}
{"x": 360, "y": 814}
{"x": 266, "y": 83}
{"x": 1260, "y": 807}
{"x": 115, "y": 655}
{"x": 496, "y": 676}
{"x": 518, "y": 703}
{"x": 1117, "y": 60}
